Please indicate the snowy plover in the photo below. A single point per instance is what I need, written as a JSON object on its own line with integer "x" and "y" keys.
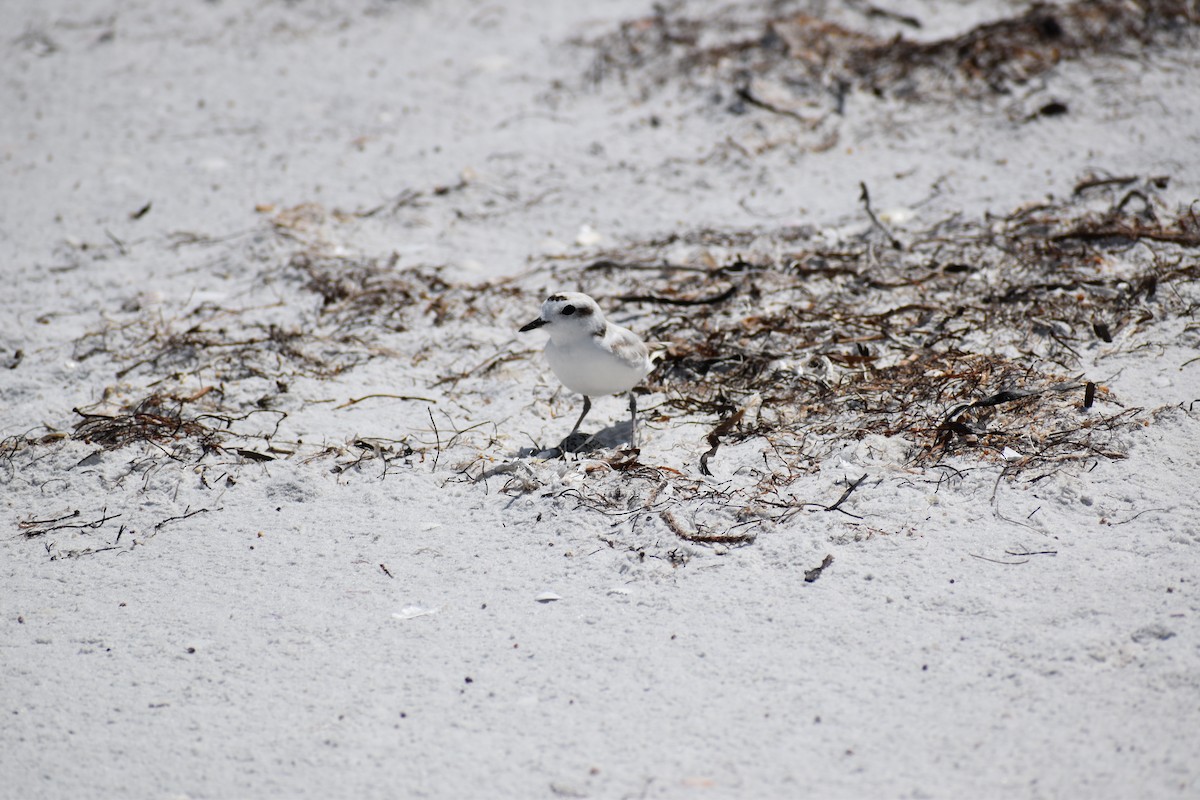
{"x": 589, "y": 354}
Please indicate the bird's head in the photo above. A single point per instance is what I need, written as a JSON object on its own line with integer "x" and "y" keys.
{"x": 568, "y": 314}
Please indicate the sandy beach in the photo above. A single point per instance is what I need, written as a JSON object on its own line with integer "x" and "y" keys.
{"x": 913, "y": 512}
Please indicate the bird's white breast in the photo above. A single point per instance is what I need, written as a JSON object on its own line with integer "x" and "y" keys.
{"x": 595, "y": 366}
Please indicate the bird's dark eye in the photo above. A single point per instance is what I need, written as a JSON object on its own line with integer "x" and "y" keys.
{"x": 568, "y": 310}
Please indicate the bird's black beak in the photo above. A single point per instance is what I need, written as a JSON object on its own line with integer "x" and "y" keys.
{"x": 537, "y": 323}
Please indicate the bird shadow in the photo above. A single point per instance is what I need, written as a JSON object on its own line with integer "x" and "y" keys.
{"x": 611, "y": 438}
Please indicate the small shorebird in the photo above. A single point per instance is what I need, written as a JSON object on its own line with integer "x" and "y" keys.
{"x": 591, "y": 355}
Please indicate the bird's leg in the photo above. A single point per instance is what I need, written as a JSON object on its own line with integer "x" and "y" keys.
{"x": 564, "y": 444}
{"x": 587, "y": 406}
{"x": 633, "y": 438}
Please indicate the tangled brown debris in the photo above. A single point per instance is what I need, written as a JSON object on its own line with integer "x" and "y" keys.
{"x": 227, "y": 344}
{"x": 815, "y": 55}
{"x": 1016, "y": 49}
{"x": 968, "y": 337}
{"x": 963, "y": 342}
{"x": 155, "y": 419}
{"x": 359, "y": 295}
{"x": 964, "y": 336}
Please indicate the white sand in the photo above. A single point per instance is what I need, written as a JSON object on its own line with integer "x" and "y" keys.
{"x": 308, "y": 627}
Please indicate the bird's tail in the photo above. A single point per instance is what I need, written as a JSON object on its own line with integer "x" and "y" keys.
{"x": 657, "y": 350}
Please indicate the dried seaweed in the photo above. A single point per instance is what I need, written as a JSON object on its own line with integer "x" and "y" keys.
{"x": 963, "y": 346}
{"x": 966, "y": 341}
{"x": 359, "y": 294}
{"x": 339, "y": 311}
{"x": 156, "y": 419}
{"x": 787, "y": 62}
{"x": 1014, "y": 50}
